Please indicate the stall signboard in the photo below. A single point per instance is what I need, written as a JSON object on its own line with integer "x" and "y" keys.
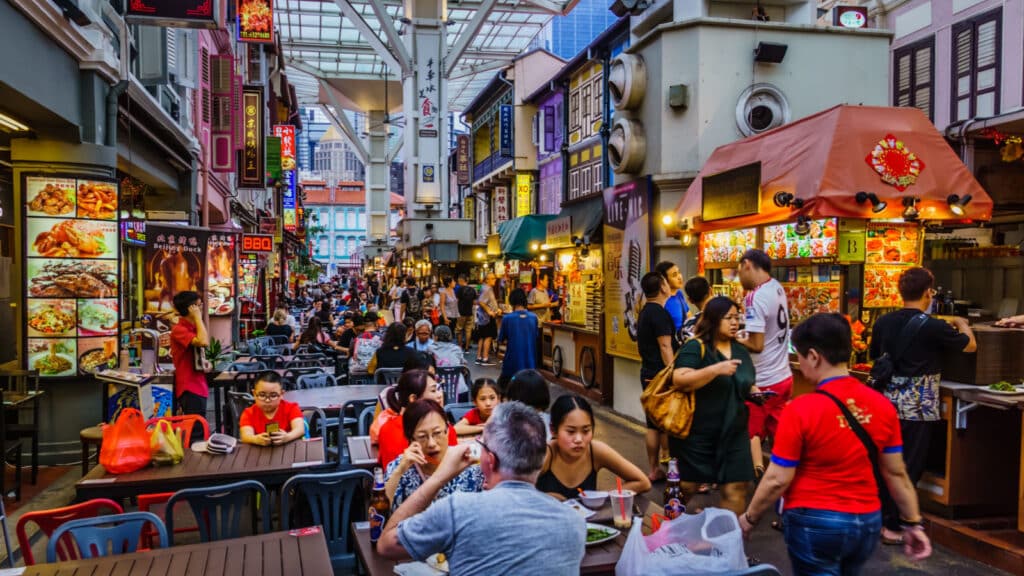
{"x": 72, "y": 274}
{"x": 133, "y": 232}
{"x": 257, "y": 243}
{"x": 288, "y": 202}
{"x": 255, "y": 21}
{"x": 500, "y": 205}
{"x": 732, "y": 193}
{"x": 286, "y": 132}
{"x": 559, "y": 231}
{"x": 781, "y": 242}
{"x": 627, "y": 245}
{"x": 524, "y": 195}
{"x": 272, "y": 149}
{"x": 890, "y": 248}
{"x": 727, "y": 246}
{"x": 220, "y": 269}
{"x": 505, "y": 130}
{"x": 248, "y": 274}
{"x": 251, "y": 169}
{"x": 462, "y": 159}
{"x": 174, "y": 13}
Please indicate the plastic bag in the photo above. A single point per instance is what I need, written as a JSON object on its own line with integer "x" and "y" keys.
{"x": 165, "y": 445}
{"x": 125, "y": 443}
{"x": 707, "y": 543}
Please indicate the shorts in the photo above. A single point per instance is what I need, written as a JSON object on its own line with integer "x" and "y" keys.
{"x": 489, "y": 330}
{"x": 765, "y": 418}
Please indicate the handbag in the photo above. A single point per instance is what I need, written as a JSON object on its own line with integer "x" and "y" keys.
{"x": 885, "y": 366}
{"x": 199, "y": 361}
{"x": 862, "y": 434}
{"x": 125, "y": 443}
{"x": 671, "y": 409}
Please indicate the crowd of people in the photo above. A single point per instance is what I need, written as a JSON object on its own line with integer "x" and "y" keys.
{"x": 843, "y": 461}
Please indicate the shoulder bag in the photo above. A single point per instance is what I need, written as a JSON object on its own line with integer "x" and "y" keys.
{"x": 671, "y": 409}
{"x": 864, "y": 437}
{"x": 884, "y": 367}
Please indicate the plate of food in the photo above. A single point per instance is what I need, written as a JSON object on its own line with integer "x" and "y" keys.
{"x": 97, "y": 200}
{"x": 53, "y": 238}
{"x": 90, "y": 360}
{"x": 97, "y": 317}
{"x": 51, "y": 317}
{"x": 52, "y": 199}
{"x": 598, "y": 533}
{"x": 580, "y": 508}
{"x": 53, "y": 360}
{"x": 438, "y": 562}
{"x": 1005, "y": 388}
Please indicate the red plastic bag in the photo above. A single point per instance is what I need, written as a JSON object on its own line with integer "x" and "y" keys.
{"x": 125, "y": 443}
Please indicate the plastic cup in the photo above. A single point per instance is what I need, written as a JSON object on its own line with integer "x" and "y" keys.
{"x": 622, "y": 507}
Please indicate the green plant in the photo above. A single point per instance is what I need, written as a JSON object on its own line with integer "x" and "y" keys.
{"x": 215, "y": 352}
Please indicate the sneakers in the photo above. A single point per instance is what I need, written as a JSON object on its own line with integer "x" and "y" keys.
{"x": 487, "y": 362}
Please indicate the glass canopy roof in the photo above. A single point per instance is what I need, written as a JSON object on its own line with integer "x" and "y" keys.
{"x": 319, "y": 41}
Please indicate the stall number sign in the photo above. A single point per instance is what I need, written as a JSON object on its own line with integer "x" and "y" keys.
{"x": 851, "y": 246}
{"x": 257, "y": 243}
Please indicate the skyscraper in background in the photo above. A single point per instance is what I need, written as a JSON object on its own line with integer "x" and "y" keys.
{"x": 567, "y": 35}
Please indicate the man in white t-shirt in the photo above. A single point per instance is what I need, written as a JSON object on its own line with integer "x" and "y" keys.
{"x": 767, "y": 337}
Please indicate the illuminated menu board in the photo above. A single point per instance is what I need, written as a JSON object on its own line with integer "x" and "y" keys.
{"x": 71, "y": 274}
{"x": 220, "y": 270}
{"x": 781, "y": 242}
{"x": 727, "y": 246}
{"x": 248, "y": 275}
{"x": 890, "y": 248}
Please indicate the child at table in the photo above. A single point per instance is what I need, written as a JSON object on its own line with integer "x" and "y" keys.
{"x": 272, "y": 421}
{"x": 485, "y": 397}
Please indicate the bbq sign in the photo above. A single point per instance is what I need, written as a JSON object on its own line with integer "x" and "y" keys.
{"x": 251, "y": 171}
{"x": 257, "y": 243}
{"x": 255, "y": 21}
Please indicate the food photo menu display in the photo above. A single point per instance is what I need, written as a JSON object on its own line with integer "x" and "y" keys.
{"x": 781, "y": 241}
{"x": 727, "y": 246}
{"x": 71, "y": 280}
{"x": 890, "y": 248}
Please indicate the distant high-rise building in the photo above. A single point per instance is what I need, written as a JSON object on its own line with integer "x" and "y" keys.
{"x": 567, "y": 35}
{"x": 314, "y": 125}
{"x": 335, "y": 160}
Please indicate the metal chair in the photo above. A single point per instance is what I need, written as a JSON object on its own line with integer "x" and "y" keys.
{"x": 456, "y": 410}
{"x": 49, "y": 520}
{"x": 321, "y": 380}
{"x": 237, "y": 403}
{"x": 218, "y": 509}
{"x": 449, "y": 379}
{"x": 249, "y": 366}
{"x": 329, "y": 498}
{"x": 366, "y": 420}
{"x": 387, "y": 376}
{"x": 106, "y": 535}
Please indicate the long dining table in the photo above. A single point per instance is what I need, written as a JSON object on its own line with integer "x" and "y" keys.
{"x": 272, "y": 465}
{"x": 334, "y": 397}
{"x": 300, "y": 552}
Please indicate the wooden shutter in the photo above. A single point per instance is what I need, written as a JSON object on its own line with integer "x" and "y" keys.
{"x": 549, "y": 128}
{"x": 222, "y": 121}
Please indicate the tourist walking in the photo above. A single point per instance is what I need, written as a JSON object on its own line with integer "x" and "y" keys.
{"x": 464, "y": 324}
{"x": 449, "y": 305}
{"x": 487, "y": 321}
{"x": 657, "y": 344}
{"x": 675, "y": 304}
{"x": 519, "y": 332}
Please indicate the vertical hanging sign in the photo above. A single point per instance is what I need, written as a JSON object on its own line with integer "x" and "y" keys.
{"x": 505, "y": 127}
{"x": 500, "y": 206}
{"x": 255, "y": 21}
{"x": 288, "y": 202}
{"x": 524, "y": 195}
{"x": 286, "y": 132}
{"x": 428, "y": 187}
{"x": 462, "y": 159}
{"x": 251, "y": 171}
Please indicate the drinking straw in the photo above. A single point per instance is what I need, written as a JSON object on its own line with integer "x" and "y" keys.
{"x": 582, "y": 493}
{"x": 622, "y": 501}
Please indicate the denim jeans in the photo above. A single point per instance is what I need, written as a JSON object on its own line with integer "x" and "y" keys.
{"x": 827, "y": 543}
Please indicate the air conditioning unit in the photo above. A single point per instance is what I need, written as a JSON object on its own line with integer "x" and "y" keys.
{"x": 627, "y": 81}
{"x": 627, "y": 146}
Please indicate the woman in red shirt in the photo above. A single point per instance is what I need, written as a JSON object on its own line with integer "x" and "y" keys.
{"x": 272, "y": 420}
{"x": 412, "y": 386}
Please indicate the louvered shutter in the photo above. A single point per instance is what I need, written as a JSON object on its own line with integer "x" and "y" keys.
{"x": 222, "y": 121}
{"x": 549, "y": 128}
{"x": 962, "y": 50}
{"x": 923, "y": 80}
{"x": 152, "y": 42}
{"x": 903, "y": 62}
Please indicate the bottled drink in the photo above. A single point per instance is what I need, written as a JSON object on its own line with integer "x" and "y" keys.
{"x": 380, "y": 506}
{"x": 673, "y": 493}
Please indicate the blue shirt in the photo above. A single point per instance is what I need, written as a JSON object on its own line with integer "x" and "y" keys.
{"x": 519, "y": 329}
{"x": 472, "y": 529}
{"x": 677, "y": 308}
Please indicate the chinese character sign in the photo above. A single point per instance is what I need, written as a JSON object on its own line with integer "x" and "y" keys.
{"x": 500, "y": 205}
{"x": 505, "y": 126}
{"x": 627, "y": 257}
{"x": 175, "y": 262}
{"x": 425, "y": 175}
{"x": 524, "y": 195}
{"x": 286, "y": 132}
{"x": 462, "y": 159}
{"x": 251, "y": 170}
{"x": 288, "y": 202}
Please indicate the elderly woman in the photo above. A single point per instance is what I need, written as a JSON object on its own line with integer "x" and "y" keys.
{"x": 448, "y": 355}
{"x": 421, "y": 340}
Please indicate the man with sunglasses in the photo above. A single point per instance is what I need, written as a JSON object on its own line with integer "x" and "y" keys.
{"x": 472, "y": 529}
{"x": 271, "y": 421}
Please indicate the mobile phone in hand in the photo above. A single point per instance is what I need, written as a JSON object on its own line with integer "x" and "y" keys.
{"x": 273, "y": 427}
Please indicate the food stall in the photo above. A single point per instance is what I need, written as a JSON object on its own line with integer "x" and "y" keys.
{"x": 874, "y": 179}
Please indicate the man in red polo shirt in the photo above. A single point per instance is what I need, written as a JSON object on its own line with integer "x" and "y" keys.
{"x": 190, "y": 388}
{"x": 832, "y": 518}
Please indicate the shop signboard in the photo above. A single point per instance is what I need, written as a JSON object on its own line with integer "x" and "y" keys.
{"x": 273, "y": 157}
{"x": 174, "y": 13}
{"x": 248, "y": 275}
{"x": 559, "y": 232}
{"x": 505, "y": 130}
{"x": 251, "y": 170}
{"x": 286, "y": 132}
{"x": 524, "y": 195}
{"x": 220, "y": 269}
{"x": 133, "y": 232}
{"x": 500, "y": 205}
{"x": 255, "y": 20}
{"x": 288, "y": 202}
{"x": 72, "y": 274}
{"x": 727, "y": 246}
{"x": 732, "y": 193}
{"x": 175, "y": 262}
{"x": 627, "y": 249}
{"x": 781, "y": 241}
{"x": 258, "y": 243}
{"x": 462, "y": 159}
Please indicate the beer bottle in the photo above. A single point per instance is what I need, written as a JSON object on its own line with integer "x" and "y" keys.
{"x": 673, "y": 493}
{"x": 380, "y": 506}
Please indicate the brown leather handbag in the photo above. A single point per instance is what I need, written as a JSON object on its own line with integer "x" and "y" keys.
{"x": 671, "y": 409}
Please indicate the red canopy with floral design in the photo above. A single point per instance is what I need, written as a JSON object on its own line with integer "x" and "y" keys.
{"x": 825, "y": 159}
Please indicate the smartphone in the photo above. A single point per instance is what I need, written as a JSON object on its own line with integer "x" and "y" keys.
{"x": 273, "y": 427}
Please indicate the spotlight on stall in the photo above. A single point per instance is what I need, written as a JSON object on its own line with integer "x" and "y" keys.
{"x": 667, "y": 219}
{"x": 687, "y": 238}
{"x": 783, "y": 199}
{"x": 910, "y": 212}
{"x": 803, "y": 225}
{"x": 958, "y": 203}
{"x": 877, "y": 205}
{"x": 534, "y": 246}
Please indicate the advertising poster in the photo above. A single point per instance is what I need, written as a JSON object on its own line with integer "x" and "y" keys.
{"x": 627, "y": 258}
{"x": 255, "y": 21}
{"x": 248, "y": 275}
{"x": 71, "y": 274}
{"x": 220, "y": 280}
{"x": 727, "y": 246}
{"x": 175, "y": 262}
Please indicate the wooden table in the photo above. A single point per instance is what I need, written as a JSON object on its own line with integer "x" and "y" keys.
{"x": 270, "y": 465}
{"x": 295, "y": 553}
{"x": 362, "y": 453}
{"x": 334, "y": 396}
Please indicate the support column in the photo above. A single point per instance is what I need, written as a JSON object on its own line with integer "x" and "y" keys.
{"x": 425, "y": 105}
{"x": 378, "y": 178}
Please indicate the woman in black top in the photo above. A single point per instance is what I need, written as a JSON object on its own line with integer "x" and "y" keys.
{"x": 279, "y": 326}
{"x": 573, "y": 457}
{"x": 392, "y": 352}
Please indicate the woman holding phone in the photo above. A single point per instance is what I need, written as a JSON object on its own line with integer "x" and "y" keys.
{"x": 271, "y": 421}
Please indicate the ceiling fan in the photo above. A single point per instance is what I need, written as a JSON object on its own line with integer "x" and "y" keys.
{"x": 396, "y": 120}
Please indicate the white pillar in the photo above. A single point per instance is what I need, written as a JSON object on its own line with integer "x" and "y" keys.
{"x": 378, "y": 177}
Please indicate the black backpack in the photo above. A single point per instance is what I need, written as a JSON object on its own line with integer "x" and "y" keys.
{"x": 413, "y": 309}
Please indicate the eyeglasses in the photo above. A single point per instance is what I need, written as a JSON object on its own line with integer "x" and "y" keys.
{"x": 268, "y": 396}
{"x": 439, "y": 436}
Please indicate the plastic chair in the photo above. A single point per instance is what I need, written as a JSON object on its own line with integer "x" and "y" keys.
{"x": 292, "y": 375}
{"x": 387, "y": 376}
{"x": 106, "y": 535}
{"x": 248, "y": 366}
{"x": 318, "y": 425}
{"x": 269, "y": 360}
{"x": 237, "y": 403}
{"x": 305, "y": 363}
{"x": 329, "y": 497}
{"x": 366, "y": 420}
{"x": 50, "y": 520}
{"x": 449, "y": 378}
{"x": 321, "y": 380}
{"x": 315, "y": 357}
{"x": 277, "y": 340}
{"x": 277, "y": 349}
{"x": 184, "y": 425}
{"x": 218, "y": 509}
{"x": 456, "y": 410}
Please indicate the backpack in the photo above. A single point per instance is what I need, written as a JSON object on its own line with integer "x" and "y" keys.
{"x": 414, "y": 308}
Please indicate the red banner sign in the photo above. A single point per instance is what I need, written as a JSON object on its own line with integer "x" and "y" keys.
{"x": 286, "y": 132}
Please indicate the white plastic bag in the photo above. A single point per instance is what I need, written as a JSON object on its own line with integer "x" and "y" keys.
{"x": 707, "y": 543}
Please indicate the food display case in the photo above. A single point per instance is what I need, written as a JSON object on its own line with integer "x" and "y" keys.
{"x": 72, "y": 263}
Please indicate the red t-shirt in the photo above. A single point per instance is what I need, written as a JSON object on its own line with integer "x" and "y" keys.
{"x": 286, "y": 412}
{"x": 186, "y": 379}
{"x": 833, "y": 471}
{"x": 473, "y": 417}
{"x": 391, "y": 442}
